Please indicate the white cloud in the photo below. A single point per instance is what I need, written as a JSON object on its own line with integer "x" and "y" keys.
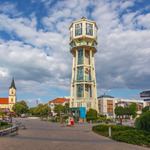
{"x": 40, "y": 58}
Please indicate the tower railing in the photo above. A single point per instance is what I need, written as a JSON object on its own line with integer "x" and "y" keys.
{"x": 83, "y": 43}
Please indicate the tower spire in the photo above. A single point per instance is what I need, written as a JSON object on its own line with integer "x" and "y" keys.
{"x": 13, "y": 84}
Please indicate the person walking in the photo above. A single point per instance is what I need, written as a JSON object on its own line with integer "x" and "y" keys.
{"x": 61, "y": 121}
{"x": 72, "y": 121}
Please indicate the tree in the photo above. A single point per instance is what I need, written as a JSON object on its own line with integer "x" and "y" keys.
{"x": 91, "y": 113}
{"x": 145, "y": 109}
{"x": 58, "y": 109}
{"x": 33, "y": 110}
{"x": 45, "y": 110}
{"x": 143, "y": 122}
{"x": 18, "y": 108}
{"x": 128, "y": 111}
{"x": 133, "y": 106}
{"x": 65, "y": 108}
{"x": 119, "y": 111}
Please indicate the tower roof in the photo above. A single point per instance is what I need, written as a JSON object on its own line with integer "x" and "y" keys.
{"x": 105, "y": 96}
{"x": 13, "y": 84}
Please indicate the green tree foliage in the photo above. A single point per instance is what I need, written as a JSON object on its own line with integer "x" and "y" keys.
{"x": 33, "y": 110}
{"x": 145, "y": 109}
{"x": 38, "y": 108}
{"x": 45, "y": 110}
{"x": 20, "y": 108}
{"x": 119, "y": 111}
{"x": 91, "y": 113}
{"x": 143, "y": 122}
{"x": 133, "y": 106}
{"x": 58, "y": 109}
{"x": 128, "y": 111}
{"x": 65, "y": 108}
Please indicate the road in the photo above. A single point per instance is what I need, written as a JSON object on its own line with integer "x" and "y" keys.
{"x": 41, "y": 135}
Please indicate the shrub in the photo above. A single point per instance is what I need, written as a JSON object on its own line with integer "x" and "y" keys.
{"x": 91, "y": 113}
{"x": 91, "y": 118}
{"x": 143, "y": 122}
{"x": 145, "y": 109}
{"x": 137, "y": 137}
{"x": 4, "y": 123}
{"x": 103, "y": 129}
{"x": 65, "y": 117}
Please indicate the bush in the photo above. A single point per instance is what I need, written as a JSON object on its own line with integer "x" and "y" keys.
{"x": 125, "y": 134}
{"x": 103, "y": 129}
{"x": 91, "y": 113}
{"x": 143, "y": 122}
{"x": 137, "y": 137}
{"x": 91, "y": 118}
{"x": 4, "y": 123}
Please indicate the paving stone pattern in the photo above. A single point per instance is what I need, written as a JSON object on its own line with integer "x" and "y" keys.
{"x": 41, "y": 135}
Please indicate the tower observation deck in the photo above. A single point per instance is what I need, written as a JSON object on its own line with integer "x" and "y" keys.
{"x": 83, "y": 46}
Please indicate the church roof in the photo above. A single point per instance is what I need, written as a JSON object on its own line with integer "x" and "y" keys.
{"x": 13, "y": 84}
{"x": 105, "y": 96}
{"x": 4, "y": 100}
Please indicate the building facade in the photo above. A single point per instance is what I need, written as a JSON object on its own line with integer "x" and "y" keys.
{"x": 106, "y": 105}
{"x": 53, "y": 103}
{"x": 123, "y": 102}
{"x": 83, "y": 46}
{"x": 6, "y": 104}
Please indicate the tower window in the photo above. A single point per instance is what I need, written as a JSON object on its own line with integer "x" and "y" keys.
{"x": 12, "y": 100}
{"x": 12, "y": 92}
{"x": 80, "y": 57}
{"x": 80, "y": 74}
{"x": 78, "y": 29}
{"x": 89, "y": 29}
{"x": 80, "y": 92}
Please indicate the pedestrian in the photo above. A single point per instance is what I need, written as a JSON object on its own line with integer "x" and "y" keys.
{"x": 61, "y": 121}
{"x": 72, "y": 121}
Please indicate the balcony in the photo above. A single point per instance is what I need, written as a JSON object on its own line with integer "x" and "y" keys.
{"x": 86, "y": 79}
{"x": 83, "y": 43}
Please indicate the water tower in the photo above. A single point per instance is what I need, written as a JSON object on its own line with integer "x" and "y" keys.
{"x": 83, "y": 46}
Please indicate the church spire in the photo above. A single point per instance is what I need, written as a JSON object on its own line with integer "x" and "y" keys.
{"x": 13, "y": 84}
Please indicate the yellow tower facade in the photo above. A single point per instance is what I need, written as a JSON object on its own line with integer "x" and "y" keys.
{"x": 83, "y": 46}
{"x": 12, "y": 95}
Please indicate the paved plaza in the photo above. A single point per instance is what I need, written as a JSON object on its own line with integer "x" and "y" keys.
{"x": 41, "y": 135}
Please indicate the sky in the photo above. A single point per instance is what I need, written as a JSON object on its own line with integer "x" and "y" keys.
{"x": 34, "y": 47}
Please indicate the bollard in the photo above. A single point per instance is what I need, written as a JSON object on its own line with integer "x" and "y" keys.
{"x": 90, "y": 121}
{"x": 109, "y": 131}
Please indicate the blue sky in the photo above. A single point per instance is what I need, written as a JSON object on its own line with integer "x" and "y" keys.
{"x": 34, "y": 47}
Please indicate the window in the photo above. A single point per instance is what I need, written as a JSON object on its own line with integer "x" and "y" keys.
{"x": 12, "y": 92}
{"x": 79, "y": 104}
{"x": 12, "y": 100}
{"x": 71, "y": 33}
{"x": 89, "y": 29}
{"x": 88, "y": 105}
{"x": 80, "y": 57}
{"x": 80, "y": 92}
{"x": 78, "y": 29}
{"x": 80, "y": 74}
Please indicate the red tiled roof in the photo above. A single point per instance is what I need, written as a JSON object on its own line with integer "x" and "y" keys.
{"x": 59, "y": 101}
{"x": 4, "y": 100}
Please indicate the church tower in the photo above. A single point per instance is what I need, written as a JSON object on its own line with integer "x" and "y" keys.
{"x": 12, "y": 94}
{"x": 83, "y": 46}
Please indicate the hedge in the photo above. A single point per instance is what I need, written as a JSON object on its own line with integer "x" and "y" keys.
{"x": 137, "y": 137}
{"x": 125, "y": 134}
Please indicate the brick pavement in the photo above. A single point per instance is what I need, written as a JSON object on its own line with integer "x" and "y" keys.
{"x": 41, "y": 135}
